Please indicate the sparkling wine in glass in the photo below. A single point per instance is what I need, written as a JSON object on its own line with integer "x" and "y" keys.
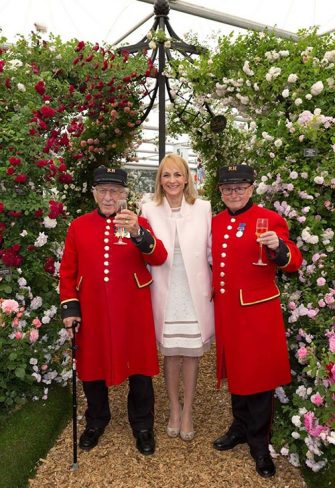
{"x": 121, "y": 205}
{"x": 262, "y": 225}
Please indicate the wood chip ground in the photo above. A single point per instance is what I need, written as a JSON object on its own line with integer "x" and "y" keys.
{"x": 116, "y": 463}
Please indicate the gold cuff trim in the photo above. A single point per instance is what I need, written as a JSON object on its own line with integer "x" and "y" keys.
{"x": 69, "y": 300}
{"x": 144, "y": 284}
{"x": 289, "y": 260}
{"x": 267, "y": 299}
{"x": 79, "y": 283}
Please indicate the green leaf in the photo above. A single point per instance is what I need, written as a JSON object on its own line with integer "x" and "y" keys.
{"x": 20, "y": 373}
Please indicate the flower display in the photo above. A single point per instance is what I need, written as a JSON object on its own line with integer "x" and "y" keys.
{"x": 65, "y": 108}
{"x": 277, "y": 96}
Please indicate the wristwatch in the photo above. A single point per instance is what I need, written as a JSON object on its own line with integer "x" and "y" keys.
{"x": 140, "y": 234}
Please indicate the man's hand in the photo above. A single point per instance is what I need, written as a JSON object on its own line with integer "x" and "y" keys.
{"x": 68, "y": 324}
{"x": 128, "y": 220}
{"x": 269, "y": 239}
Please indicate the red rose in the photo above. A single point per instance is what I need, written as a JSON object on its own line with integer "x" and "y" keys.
{"x": 38, "y": 213}
{"x": 47, "y": 111}
{"x": 56, "y": 208}
{"x": 49, "y": 265}
{"x": 65, "y": 178}
{"x": 80, "y": 46}
{"x": 62, "y": 167}
{"x": 2, "y": 64}
{"x": 31, "y": 248}
{"x": 8, "y": 83}
{"x": 14, "y": 213}
{"x": 40, "y": 87}
{"x": 42, "y": 124}
{"x": 35, "y": 68}
{"x": 21, "y": 178}
{"x": 14, "y": 161}
{"x": 10, "y": 171}
{"x": 2, "y": 207}
{"x": 71, "y": 89}
{"x": 42, "y": 162}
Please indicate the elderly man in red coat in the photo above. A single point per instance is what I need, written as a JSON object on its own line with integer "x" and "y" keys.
{"x": 250, "y": 334}
{"x": 106, "y": 287}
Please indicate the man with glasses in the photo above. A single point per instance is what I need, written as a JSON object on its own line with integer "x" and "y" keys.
{"x": 105, "y": 287}
{"x": 250, "y": 334}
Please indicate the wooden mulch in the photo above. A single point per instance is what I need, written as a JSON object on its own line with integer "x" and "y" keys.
{"x": 115, "y": 462}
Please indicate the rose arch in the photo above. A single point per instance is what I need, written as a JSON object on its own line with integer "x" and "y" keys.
{"x": 278, "y": 98}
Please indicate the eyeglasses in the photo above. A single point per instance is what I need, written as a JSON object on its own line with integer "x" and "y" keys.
{"x": 112, "y": 191}
{"x": 239, "y": 190}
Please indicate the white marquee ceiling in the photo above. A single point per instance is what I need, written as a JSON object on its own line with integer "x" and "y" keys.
{"x": 109, "y": 20}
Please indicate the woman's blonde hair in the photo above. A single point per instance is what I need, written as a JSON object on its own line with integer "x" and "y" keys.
{"x": 190, "y": 193}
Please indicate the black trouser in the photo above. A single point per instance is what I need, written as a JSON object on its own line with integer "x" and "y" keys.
{"x": 253, "y": 419}
{"x": 140, "y": 403}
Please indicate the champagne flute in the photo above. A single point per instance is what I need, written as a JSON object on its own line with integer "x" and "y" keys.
{"x": 262, "y": 225}
{"x": 120, "y": 205}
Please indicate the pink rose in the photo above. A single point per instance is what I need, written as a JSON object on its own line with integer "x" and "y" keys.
{"x": 317, "y": 399}
{"x": 321, "y": 281}
{"x": 332, "y": 343}
{"x": 302, "y": 353}
{"x": 9, "y": 306}
{"x": 18, "y": 335}
{"x": 37, "y": 323}
{"x": 292, "y": 306}
{"x": 33, "y": 336}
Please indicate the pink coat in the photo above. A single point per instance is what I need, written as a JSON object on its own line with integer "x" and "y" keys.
{"x": 194, "y": 232}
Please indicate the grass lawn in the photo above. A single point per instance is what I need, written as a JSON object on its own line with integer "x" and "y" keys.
{"x": 27, "y": 434}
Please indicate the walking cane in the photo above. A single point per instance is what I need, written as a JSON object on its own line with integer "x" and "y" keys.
{"x": 75, "y": 465}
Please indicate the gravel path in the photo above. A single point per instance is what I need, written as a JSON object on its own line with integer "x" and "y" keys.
{"x": 115, "y": 462}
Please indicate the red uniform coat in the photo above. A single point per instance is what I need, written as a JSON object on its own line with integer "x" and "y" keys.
{"x": 250, "y": 335}
{"x": 116, "y": 338}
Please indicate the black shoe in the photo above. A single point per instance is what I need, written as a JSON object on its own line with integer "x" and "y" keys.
{"x": 145, "y": 441}
{"x": 265, "y": 466}
{"x": 228, "y": 441}
{"x": 90, "y": 437}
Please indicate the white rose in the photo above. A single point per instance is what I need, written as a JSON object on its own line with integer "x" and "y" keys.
{"x": 285, "y": 93}
{"x": 298, "y": 101}
{"x": 21, "y": 87}
{"x": 319, "y": 180}
{"x": 308, "y": 96}
{"x": 317, "y": 88}
{"x": 278, "y": 142}
{"x": 293, "y": 175}
{"x": 292, "y": 78}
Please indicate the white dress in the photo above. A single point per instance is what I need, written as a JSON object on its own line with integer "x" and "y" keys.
{"x": 181, "y": 332}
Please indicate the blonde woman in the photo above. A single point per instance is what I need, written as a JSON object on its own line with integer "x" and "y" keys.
{"x": 181, "y": 290}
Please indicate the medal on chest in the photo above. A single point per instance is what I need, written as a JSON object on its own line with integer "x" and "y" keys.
{"x": 240, "y": 229}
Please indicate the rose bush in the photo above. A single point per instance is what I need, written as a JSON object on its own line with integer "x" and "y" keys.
{"x": 284, "y": 93}
{"x": 65, "y": 108}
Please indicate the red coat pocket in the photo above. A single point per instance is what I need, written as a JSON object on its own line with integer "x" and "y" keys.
{"x": 259, "y": 295}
